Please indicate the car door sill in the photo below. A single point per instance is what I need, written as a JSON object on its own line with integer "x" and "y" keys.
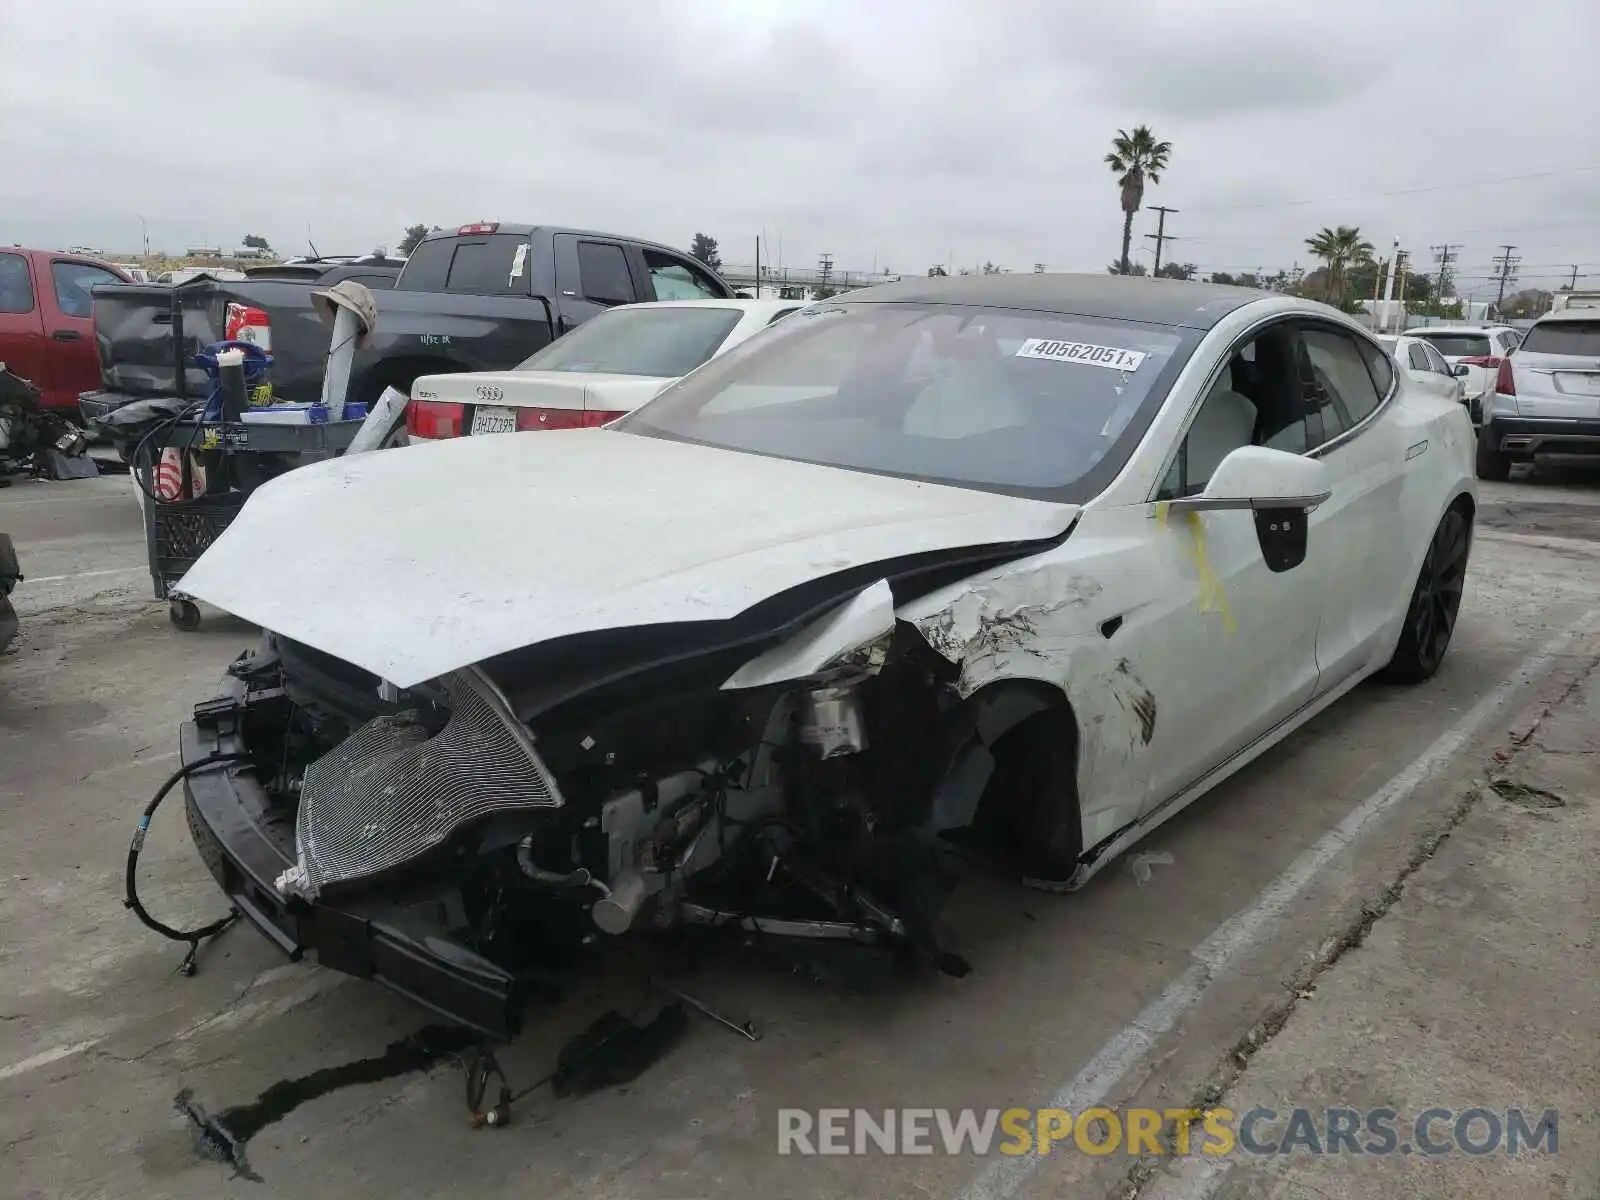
{"x": 1130, "y": 833}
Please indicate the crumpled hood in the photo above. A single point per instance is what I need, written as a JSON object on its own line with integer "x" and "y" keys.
{"x": 413, "y": 562}
{"x": 543, "y": 389}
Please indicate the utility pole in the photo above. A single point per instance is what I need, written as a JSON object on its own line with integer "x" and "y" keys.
{"x": 1506, "y": 264}
{"x": 825, "y": 270}
{"x": 1160, "y": 235}
{"x": 1388, "y": 289}
{"x": 1400, "y": 309}
{"x": 1444, "y": 255}
{"x": 1572, "y": 284}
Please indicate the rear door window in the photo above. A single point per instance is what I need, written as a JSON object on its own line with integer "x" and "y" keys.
{"x": 16, "y": 287}
{"x": 603, "y": 273}
{"x": 1435, "y": 359}
{"x": 74, "y": 283}
{"x": 1418, "y": 357}
{"x": 1581, "y": 338}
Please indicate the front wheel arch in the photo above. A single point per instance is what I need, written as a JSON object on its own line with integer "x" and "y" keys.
{"x": 1029, "y": 813}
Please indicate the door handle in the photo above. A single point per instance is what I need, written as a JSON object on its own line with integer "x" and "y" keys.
{"x": 65, "y": 335}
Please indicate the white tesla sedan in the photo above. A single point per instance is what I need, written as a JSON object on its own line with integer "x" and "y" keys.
{"x": 1425, "y": 367}
{"x": 607, "y": 366}
{"x": 1021, "y": 562}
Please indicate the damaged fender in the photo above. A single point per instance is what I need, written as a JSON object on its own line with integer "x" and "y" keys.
{"x": 854, "y": 636}
{"x": 1040, "y": 621}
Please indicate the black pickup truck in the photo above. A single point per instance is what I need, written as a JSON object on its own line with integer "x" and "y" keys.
{"x": 478, "y": 298}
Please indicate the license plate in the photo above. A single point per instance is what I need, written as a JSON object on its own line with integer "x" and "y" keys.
{"x": 489, "y": 419}
{"x": 1578, "y": 383}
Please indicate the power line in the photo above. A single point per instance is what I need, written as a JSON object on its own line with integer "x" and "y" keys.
{"x": 1416, "y": 191}
{"x": 1160, "y": 235}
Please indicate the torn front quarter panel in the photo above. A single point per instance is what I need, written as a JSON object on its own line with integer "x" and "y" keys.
{"x": 1040, "y": 620}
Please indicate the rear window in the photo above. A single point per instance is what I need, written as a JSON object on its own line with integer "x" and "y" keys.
{"x": 1459, "y": 345}
{"x": 483, "y": 266}
{"x": 1564, "y": 337}
{"x": 987, "y": 398}
{"x": 660, "y": 342}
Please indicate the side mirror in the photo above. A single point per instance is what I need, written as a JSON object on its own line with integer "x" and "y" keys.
{"x": 1459, "y": 370}
{"x": 1279, "y": 488}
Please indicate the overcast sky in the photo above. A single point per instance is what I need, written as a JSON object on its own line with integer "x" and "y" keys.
{"x": 879, "y": 130}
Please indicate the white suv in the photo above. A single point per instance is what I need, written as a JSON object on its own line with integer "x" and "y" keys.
{"x": 1480, "y": 348}
{"x": 1547, "y": 397}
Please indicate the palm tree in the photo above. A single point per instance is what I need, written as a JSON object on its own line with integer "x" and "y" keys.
{"x": 1135, "y": 157}
{"x": 1340, "y": 248}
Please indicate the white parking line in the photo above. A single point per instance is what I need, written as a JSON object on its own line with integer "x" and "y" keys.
{"x": 45, "y": 1057}
{"x": 85, "y": 574}
{"x": 1244, "y": 930}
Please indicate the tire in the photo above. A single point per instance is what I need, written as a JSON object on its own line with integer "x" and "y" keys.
{"x": 1435, "y": 603}
{"x": 184, "y": 614}
{"x": 1492, "y": 465}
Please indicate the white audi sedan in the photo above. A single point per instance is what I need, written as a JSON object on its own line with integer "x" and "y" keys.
{"x": 606, "y": 367}
{"x": 1011, "y": 567}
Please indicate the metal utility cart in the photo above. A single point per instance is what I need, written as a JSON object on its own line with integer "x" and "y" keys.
{"x": 244, "y": 453}
{"x": 178, "y": 532}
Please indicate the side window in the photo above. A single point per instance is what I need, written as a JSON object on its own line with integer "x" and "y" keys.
{"x": 1511, "y": 340}
{"x": 1226, "y": 421}
{"x": 676, "y": 279}
{"x": 1419, "y": 358}
{"x": 1338, "y": 374}
{"x": 1436, "y": 360}
{"x": 16, "y": 288}
{"x": 74, "y": 282}
{"x": 603, "y": 271}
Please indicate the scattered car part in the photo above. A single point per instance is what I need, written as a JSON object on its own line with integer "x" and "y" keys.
{"x": 38, "y": 439}
{"x": 130, "y": 877}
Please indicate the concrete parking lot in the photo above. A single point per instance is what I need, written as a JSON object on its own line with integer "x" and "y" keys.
{"x": 1357, "y": 919}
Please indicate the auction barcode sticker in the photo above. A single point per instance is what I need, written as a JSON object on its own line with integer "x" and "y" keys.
{"x": 1082, "y": 352}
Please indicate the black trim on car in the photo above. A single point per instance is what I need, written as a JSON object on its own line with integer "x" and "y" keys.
{"x": 1532, "y": 436}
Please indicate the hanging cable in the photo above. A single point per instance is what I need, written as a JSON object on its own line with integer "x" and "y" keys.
{"x": 193, "y": 936}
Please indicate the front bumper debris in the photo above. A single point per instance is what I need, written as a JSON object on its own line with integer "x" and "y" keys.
{"x": 399, "y": 941}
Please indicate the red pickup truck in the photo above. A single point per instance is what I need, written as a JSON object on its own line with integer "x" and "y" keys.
{"x": 46, "y": 334}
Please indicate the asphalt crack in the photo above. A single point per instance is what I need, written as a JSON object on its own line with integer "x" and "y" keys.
{"x": 1302, "y": 986}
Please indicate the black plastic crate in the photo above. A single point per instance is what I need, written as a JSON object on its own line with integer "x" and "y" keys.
{"x": 182, "y": 532}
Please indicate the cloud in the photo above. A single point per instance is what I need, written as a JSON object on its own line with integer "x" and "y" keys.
{"x": 964, "y": 129}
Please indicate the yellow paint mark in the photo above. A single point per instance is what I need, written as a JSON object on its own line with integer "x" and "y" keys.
{"x": 1212, "y": 597}
{"x": 1162, "y": 509}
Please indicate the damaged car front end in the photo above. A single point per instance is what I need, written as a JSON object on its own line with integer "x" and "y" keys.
{"x": 467, "y": 841}
{"x": 729, "y": 664}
